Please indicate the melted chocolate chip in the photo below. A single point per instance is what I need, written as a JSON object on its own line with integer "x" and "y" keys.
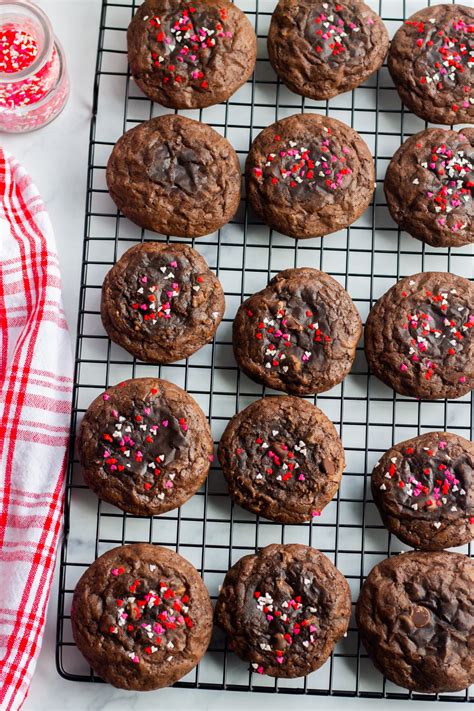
{"x": 177, "y": 167}
{"x": 421, "y": 616}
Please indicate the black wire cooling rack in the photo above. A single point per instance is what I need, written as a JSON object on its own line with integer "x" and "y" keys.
{"x": 366, "y": 258}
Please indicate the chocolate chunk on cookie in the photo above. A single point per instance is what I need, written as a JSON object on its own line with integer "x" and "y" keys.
{"x": 299, "y": 334}
{"x": 322, "y": 49}
{"x": 430, "y": 60}
{"x": 424, "y": 490}
{"x": 175, "y": 176}
{"x": 309, "y": 175}
{"x": 418, "y": 336}
{"x": 429, "y": 186}
{"x": 282, "y": 459}
{"x": 188, "y": 55}
{"x": 145, "y": 446}
{"x": 416, "y": 620}
{"x": 141, "y": 616}
{"x": 161, "y": 302}
{"x": 284, "y": 609}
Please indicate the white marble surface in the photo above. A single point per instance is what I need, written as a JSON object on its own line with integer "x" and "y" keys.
{"x": 56, "y": 157}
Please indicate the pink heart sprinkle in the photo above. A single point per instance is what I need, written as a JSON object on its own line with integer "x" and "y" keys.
{"x": 106, "y": 396}
{"x": 173, "y": 264}
{"x": 312, "y": 628}
{"x": 115, "y": 571}
{"x": 165, "y": 423}
{"x": 144, "y": 279}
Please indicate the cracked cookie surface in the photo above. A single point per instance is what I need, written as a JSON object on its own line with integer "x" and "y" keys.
{"x": 430, "y": 61}
{"x": 189, "y": 55}
{"x": 429, "y": 186}
{"x": 418, "y": 336}
{"x": 282, "y": 459}
{"x": 308, "y": 175}
{"x": 145, "y": 446}
{"x": 415, "y": 616}
{"x": 175, "y": 176}
{"x": 322, "y": 49}
{"x": 161, "y": 302}
{"x": 284, "y": 609}
{"x": 424, "y": 490}
{"x": 141, "y": 616}
{"x": 299, "y": 334}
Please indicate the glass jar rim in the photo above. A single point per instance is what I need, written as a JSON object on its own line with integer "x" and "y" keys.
{"x": 46, "y": 51}
{"x": 24, "y": 110}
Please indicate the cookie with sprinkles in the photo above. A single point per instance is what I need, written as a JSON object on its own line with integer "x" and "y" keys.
{"x": 322, "y": 49}
{"x": 429, "y": 186}
{"x": 415, "y": 616}
{"x": 419, "y": 338}
{"x": 145, "y": 446}
{"x": 141, "y": 616}
{"x": 424, "y": 490}
{"x": 308, "y": 175}
{"x": 284, "y": 609}
{"x": 299, "y": 334}
{"x": 161, "y": 302}
{"x": 176, "y": 176}
{"x": 188, "y": 55}
{"x": 282, "y": 458}
{"x": 431, "y": 60}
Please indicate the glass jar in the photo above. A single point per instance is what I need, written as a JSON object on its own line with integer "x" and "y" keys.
{"x": 34, "y": 84}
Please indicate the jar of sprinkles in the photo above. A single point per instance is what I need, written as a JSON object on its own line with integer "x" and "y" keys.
{"x": 34, "y": 84}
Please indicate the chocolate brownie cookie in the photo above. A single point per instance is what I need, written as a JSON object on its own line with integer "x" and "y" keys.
{"x": 416, "y": 620}
{"x": 141, "y": 616}
{"x": 161, "y": 302}
{"x": 284, "y": 609}
{"x": 188, "y": 55}
{"x": 145, "y": 446}
{"x": 309, "y": 175}
{"x": 418, "y": 336}
{"x": 282, "y": 458}
{"x": 424, "y": 490}
{"x": 321, "y": 49}
{"x": 430, "y": 60}
{"x": 175, "y": 176}
{"x": 429, "y": 186}
{"x": 299, "y": 334}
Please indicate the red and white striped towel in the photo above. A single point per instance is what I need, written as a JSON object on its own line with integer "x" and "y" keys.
{"x": 35, "y": 403}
